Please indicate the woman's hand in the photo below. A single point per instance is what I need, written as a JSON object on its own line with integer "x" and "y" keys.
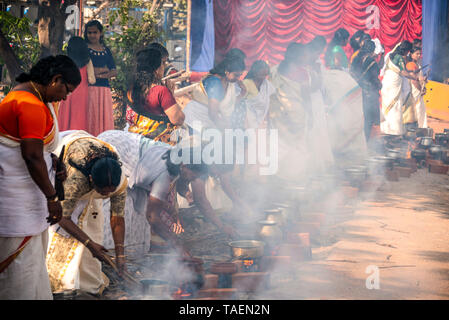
{"x": 176, "y": 227}
{"x": 97, "y": 250}
{"x": 101, "y": 73}
{"x": 54, "y": 212}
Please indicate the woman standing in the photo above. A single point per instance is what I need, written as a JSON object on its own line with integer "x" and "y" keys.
{"x": 416, "y": 105}
{"x": 395, "y": 89}
{"x": 100, "y": 97}
{"x": 93, "y": 173}
{"x": 73, "y": 112}
{"x": 366, "y": 72}
{"x": 28, "y": 134}
{"x": 258, "y": 93}
{"x": 335, "y": 57}
{"x": 319, "y": 133}
{"x": 156, "y": 112}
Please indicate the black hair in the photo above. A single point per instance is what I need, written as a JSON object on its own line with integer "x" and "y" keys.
{"x": 417, "y": 43}
{"x": 317, "y": 44}
{"x": 175, "y": 169}
{"x": 229, "y": 64}
{"x": 160, "y": 47}
{"x": 103, "y": 165}
{"x": 415, "y": 48}
{"x": 340, "y": 37}
{"x": 368, "y": 47}
{"x": 147, "y": 62}
{"x": 355, "y": 40}
{"x": 78, "y": 51}
{"x": 403, "y": 49}
{"x": 255, "y": 67}
{"x": 94, "y": 23}
{"x": 46, "y": 68}
{"x": 295, "y": 50}
{"x": 236, "y": 53}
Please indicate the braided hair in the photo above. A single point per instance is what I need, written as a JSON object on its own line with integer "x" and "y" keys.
{"x": 102, "y": 165}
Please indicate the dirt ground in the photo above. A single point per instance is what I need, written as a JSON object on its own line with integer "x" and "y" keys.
{"x": 401, "y": 230}
{"x": 397, "y": 237}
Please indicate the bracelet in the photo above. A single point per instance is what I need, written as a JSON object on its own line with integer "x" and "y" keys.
{"x": 86, "y": 242}
{"x": 121, "y": 256}
{"x": 120, "y": 245}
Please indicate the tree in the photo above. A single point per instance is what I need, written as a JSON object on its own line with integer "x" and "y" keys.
{"x": 51, "y": 26}
{"x": 134, "y": 35}
{"x": 19, "y": 49}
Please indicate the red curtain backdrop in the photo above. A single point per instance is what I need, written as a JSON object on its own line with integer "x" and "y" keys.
{"x": 264, "y": 28}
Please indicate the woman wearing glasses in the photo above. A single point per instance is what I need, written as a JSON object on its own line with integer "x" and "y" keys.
{"x": 28, "y": 134}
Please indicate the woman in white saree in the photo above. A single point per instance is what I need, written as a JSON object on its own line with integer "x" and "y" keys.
{"x": 395, "y": 90}
{"x": 28, "y": 136}
{"x": 291, "y": 116}
{"x": 94, "y": 173}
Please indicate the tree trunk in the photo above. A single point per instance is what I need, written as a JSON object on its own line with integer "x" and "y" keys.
{"x": 51, "y": 26}
{"x": 12, "y": 63}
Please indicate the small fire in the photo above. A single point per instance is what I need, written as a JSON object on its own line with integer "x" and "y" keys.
{"x": 181, "y": 294}
{"x": 248, "y": 263}
{"x": 409, "y": 150}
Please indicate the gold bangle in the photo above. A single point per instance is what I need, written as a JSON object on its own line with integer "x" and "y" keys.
{"x": 120, "y": 245}
{"x": 121, "y": 256}
{"x": 86, "y": 242}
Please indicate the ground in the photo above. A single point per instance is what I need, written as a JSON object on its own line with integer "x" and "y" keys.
{"x": 399, "y": 233}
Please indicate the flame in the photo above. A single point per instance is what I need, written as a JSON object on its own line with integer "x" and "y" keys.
{"x": 409, "y": 150}
{"x": 180, "y": 294}
{"x": 248, "y": 263}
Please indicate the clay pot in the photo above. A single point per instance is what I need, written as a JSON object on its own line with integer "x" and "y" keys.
{"x": 440, "y": 169}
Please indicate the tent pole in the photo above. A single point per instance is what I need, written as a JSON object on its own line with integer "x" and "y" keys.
{"x": 189, "y": 16}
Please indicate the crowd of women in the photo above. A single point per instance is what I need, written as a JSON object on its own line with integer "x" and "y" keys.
{"x": 67, "y": 162}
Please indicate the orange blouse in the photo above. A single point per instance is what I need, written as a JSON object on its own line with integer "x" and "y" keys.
{"x": 23, "y": 115}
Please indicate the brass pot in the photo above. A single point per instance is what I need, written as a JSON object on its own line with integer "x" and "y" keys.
{"x": 270, "y": 233}
{"x": 275, "y": 215}
{"x": 247, "y": 249}
{"x": 297, "y": 193}
{"x": 288, "y": 211}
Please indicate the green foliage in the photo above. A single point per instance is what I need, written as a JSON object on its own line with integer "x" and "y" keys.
{"x": 134, "y": 34}
{"x": 25, "y": 45}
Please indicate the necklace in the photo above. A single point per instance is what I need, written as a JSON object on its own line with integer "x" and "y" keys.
{"x": 37, "y": 91}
